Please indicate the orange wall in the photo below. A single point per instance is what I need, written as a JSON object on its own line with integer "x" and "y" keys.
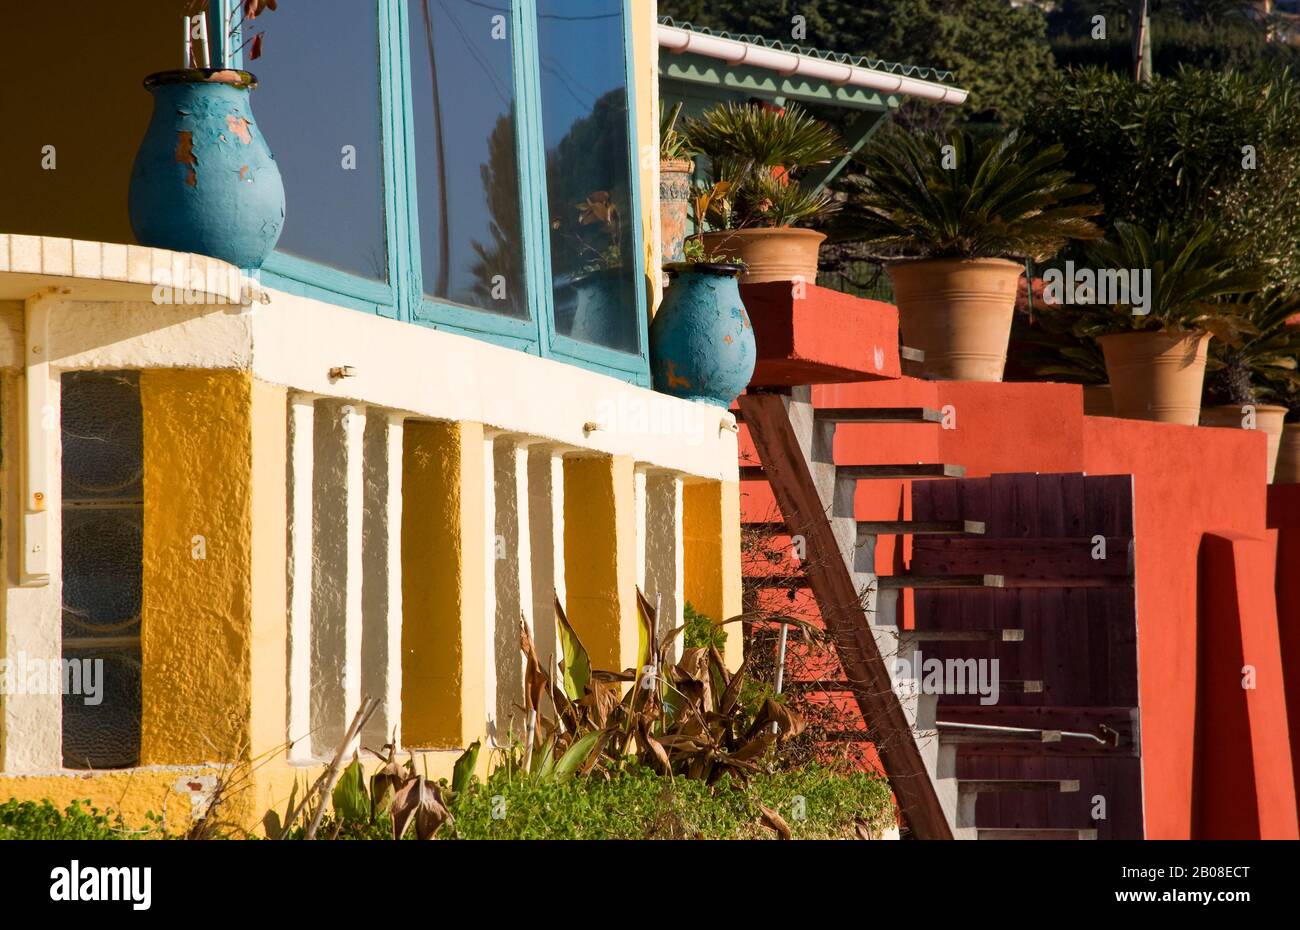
{"x": 1188, "y": 482}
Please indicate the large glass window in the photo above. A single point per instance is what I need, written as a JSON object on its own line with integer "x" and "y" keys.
{"x": 103, "y": 471}
{"x": 589, "y": 170}
{"x": 467, "y": 167}
{"x": 318, "y": 103}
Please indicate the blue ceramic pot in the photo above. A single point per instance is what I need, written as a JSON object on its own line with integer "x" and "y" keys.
{"x": 603, "y": 315}
{"x": 701, "y": 342}
{"x": 205, "y": 180}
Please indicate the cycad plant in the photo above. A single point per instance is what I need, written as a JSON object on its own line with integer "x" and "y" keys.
{"x": 950, "y": 196}
{"x": 756, "y": 155}
{"x": 1262, "y": 366}
{"x": 1191, "y": 271}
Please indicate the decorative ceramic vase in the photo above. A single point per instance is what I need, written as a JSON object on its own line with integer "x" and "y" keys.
{"x": 1156, "y": 375}
{"x": 674, "y": 201}
{"x": 1267, "y": 418}
{"x": 603, "y": 315}
{"x": 701, "y": 341}
{"x": 205, "y": 180}
{"x": 780, "y": 254}
{"x": 958, "y": 311}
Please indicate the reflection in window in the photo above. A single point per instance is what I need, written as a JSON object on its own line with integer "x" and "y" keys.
{"x": 318, "y": 104}
{"x": 103, "y": 470}
{"x": 588, "y": 170}
{"x": 467, "y": 169}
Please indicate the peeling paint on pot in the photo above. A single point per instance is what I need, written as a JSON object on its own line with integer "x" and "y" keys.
{"x": 205, "y": 180}
{"x": 701, "y": 341}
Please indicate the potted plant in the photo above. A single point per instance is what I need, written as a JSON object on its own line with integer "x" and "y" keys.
{"x": 701, "y": 341}
{"x": 1156, "y": 350}
{"x": 1261, "y": 366}
{"x": 756, "y": 198}
{"x": 955, "y": 221}
{"x": 1043, "y": 345}
{"x": 205, "y": 180}
{"x": 676, "y": 166}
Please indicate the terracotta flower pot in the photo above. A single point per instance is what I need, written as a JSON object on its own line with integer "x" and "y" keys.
{"x": 1157, "y": 376}
{"x": 781, "y": 254}
{"x": 674, "y": 200}
{"x": 1269, "y": 420}
{"x": 959, "y": 312}
{"x": 1288, "y": 456}
{"x": 1098, "y": 401}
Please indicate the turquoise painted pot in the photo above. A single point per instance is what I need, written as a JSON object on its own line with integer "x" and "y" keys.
{"x": 701, "y": 342}
{"x": 602, "y": 315}
{"x": 205, "y": 180}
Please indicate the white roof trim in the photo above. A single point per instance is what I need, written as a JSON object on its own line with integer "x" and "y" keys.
{"x": 789, "y": 64}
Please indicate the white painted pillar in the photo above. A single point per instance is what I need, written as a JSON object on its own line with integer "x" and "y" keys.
{"x": 664, "y": 560}
{"x": 514, "y": 578}
{"x": 381, "y": 578}
{"x": 302, "y": 418}
{"x": 337, "y": 485}
{"x": 546, "y": 546}
{"x": 639, "y": 508}
{"x": 31, "y": 618}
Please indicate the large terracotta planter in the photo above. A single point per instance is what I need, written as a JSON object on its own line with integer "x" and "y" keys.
{"x": 959, "y": 312}
{"x": 1269, "y": 420}
{"x": 674, "y": 201}
{"x": 782, "y": 254}
{"x": 1288, "y": 456}
{"x": 1156, "y": 375}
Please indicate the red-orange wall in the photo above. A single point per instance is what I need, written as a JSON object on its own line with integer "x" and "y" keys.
{"x": 1188, "y": 482}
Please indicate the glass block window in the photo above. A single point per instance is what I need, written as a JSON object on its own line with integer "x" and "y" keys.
{"x": 103, "y": 470}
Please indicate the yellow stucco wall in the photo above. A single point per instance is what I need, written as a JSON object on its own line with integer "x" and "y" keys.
{"x": 600, "y": 557}
{"x": 645, "y": 65}
{"x": 444, "y": 570}
{"x": 196, "y": 627}
{"x": 711, "y": 553}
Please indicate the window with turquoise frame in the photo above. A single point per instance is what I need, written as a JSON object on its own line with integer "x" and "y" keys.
{"x": 463, "y": 164}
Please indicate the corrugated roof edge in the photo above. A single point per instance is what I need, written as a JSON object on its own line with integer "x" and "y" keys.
{"x": 844, "y": 58}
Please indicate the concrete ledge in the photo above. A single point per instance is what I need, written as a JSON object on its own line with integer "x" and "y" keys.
{"x": 813, "y": 335}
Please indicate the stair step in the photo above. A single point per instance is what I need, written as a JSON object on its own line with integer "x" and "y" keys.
{"x": 929, "y": 582}
{"x": 919, "y": 528}
{"x": 879, "y": 415}
{"x": 964, "y": 636}
{"x": 1034, "y": 833}
{"x": 873, "y": 472}
{"x": 836, "y": 684}
{"x": 995, "y": 785}
{"x": 909, "y": 354}
{"x": 976, "y": 735}
{"x": 882, "y": 472}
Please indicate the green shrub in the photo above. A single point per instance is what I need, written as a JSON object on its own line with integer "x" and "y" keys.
{"x": 31, "y": 820}
{"x": 636, "y": 803}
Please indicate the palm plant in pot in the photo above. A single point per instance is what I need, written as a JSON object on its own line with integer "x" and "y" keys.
{"x": 757, "y": 197}
{"x": 676, "y": 166}
{"x": 1156, "y": 341}
{"x": 955, "y": 219}
{"x": 205, "y": 180}
{"x": 1247, "y": 377}
{"x": 702, "y": 344}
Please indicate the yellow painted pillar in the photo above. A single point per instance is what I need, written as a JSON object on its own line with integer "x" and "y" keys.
{"x": 196, "y": 630}
{"x": 711, "y": 543}
{"x": 444, "y": 573}
{"x": 600, "y": 557}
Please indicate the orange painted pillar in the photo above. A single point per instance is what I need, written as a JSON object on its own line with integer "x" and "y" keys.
{"x": 1245, "y": 781}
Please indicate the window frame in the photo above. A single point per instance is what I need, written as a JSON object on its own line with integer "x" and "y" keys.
{"x": 402, "y": 297}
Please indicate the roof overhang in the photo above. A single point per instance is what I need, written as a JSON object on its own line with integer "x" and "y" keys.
{"x": 789, "y": 64}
